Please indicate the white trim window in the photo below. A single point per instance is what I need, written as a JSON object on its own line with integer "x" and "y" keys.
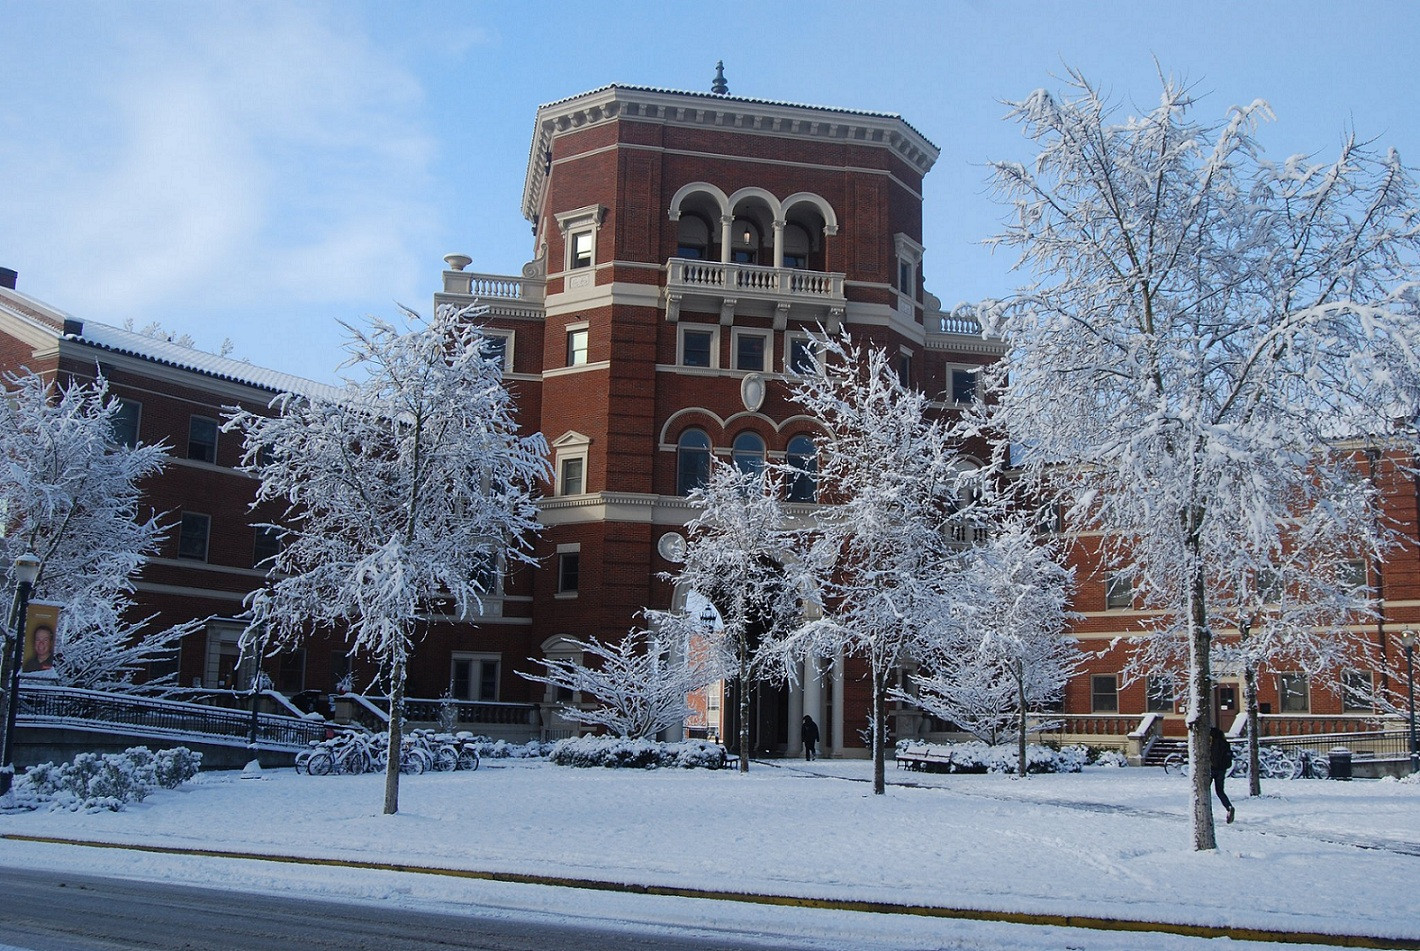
{"x": 698, "y": 346}
{"x": 803, "y": 355}
{"x": 569, "y": 569}
{"x": 579, "y": 229}
{"x": 570, "y": 459}
{"x": 909, "y": 265}
{"x": 202, "y": 439}
{"x": 578, "y": 344}
{"x": 499, "y": 344}
{"x": 962, "y": 385}
{"x": 753, "y": 349}
{"x": 475, "y": 676}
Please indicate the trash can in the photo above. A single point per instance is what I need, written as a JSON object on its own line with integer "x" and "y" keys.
{"x": 1340, "y": 761}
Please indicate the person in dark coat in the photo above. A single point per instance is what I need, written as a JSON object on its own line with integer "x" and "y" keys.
{"x": 1222, "y": 759}
{"x": 809, "y": 734}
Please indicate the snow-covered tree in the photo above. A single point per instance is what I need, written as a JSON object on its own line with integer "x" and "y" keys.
{"x": 401, "y": 494}
{"x": 639, "y": 683}
{"x": 883, "y": 549}
{"x": 1200, "y": 324}
{"x": 737, "y": 558}
{"x": 69, "y": 492}
{"x": 1291, "y": 605}
{"x": 1009, "y": 653}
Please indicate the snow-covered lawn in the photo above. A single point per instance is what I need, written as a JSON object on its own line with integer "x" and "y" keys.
{"x": 1309, "y": 855}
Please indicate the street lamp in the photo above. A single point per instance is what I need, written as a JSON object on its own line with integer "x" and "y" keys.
{"x": 26, "y": 573}
{"x": 1407, "y": 641}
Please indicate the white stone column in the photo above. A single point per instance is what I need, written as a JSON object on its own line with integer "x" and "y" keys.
{"x": 726, "y": 222}
{"x": 778, "y": 243}
{"x": 795, "y": 714}
{"x": 837, "y": 725}
{"x": 813, "y": 698}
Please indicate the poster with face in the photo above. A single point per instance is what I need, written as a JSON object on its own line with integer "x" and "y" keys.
{"x": 41, "y": 640}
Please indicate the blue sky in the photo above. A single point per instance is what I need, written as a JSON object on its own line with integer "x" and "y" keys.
{"x": 258, "y": 171}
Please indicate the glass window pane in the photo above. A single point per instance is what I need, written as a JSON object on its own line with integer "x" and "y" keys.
{"x": 692, "y": 461}
{"x": 1104, "y": 695}
{"x": 695, "y": 348}
{"x": 572, "y": 476}
{"x": 749, "y": 352}
{"x": 202, "y": 439}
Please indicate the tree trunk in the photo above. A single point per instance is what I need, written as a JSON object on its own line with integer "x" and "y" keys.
{"x": 878, "y": 726}
{"x": 744, "y": 698}
{"x": 1200, "y": 718}
{"x": 396, "y": 735}
{"x": 1254, "y": 779}
{"x": 1021, "y": 723}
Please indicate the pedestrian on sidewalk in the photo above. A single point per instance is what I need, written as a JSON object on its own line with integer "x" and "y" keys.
{"x": 1222, "y": 760}
{"x": 809, "y": 734}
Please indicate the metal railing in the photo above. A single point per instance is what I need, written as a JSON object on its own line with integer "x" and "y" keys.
{"x": 472, "y": 712}
{"x": 69, "y": 706}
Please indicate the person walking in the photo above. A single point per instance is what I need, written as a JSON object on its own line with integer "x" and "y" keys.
{"x": 1222, "y": 759}
{"x": 809, "y": 734}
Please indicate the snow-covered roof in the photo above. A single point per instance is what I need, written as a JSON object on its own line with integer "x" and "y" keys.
{"x": 156, "y": 349}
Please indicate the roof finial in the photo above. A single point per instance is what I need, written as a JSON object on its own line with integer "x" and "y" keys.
{"x": 719, "y": 87}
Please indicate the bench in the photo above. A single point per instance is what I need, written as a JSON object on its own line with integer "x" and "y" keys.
{"x": 923, "y": 759}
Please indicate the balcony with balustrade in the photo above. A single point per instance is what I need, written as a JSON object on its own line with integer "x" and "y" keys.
{"x": 781, "y": 292}
{"x": 504, "y": 295}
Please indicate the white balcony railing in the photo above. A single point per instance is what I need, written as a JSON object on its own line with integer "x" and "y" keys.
{"x": 714, "y": 276}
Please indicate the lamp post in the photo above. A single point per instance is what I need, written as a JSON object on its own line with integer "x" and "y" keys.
{"x": 26, "y": 573}
{"x": 1407, "y": 641}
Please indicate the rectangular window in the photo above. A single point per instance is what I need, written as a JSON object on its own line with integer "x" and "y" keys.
{"x": 569, "y": 567}
{"x": 474, "y": 677}
{"x": 1161, "y": 694}
{"x": 749, "y": 351}
{"x": 695, "y": 346}
{"x": 1353, "y": 575}
{"x": 577, "y": 347}
{"x": 1357, "y": 691}
{"x": 1118, "y": 592}
{"x": 202, "y": 439}
{"x": 963, "y": 386}
{"x": 1293, "y": 693}
{"x": 803, "y": 357}
{"x": 572, "y": 476}
{"x": 496, "y": 347}
{"x": 904, "y": 369}
{"x": 581, "y": 249}
{"x": 192, "y": 537}
{"x": 904, "y": 277}
{"x": 1104, "y": 693}
{"x": 267, "y": 546}
{"x": 125, "y": 423}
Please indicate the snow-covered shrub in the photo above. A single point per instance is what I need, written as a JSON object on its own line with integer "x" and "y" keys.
{"x": 615, "y": 753}
{"x": 1111, "y": 758}
{"x": 489, "y": 748}
{"x": 978, "y": 757}
{"x": 95, "y": 782}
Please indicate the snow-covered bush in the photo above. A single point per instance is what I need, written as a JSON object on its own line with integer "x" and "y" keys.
{"x": 95, "y": 782}
{"x": 615, "y": 753}
{"x": 978, "y": 757}
{"x": 1110, "y": 758}
{"x": 489, "y": 748}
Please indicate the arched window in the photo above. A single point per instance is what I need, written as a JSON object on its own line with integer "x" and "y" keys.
{"x": 802, "y": 459}
{"x": 748, "y": 452}
{"x": 744, "y": 242}
{"x": 692, "y": 238}
{"x": 796, "y": 246}
{"x": 692, "y": 461}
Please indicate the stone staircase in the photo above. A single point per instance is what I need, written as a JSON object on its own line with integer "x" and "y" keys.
{"x": 1163, "y": 748}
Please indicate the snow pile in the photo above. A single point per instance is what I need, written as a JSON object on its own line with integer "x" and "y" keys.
{"x": 978, "y": 757}
{"x": 95, "y": 782}
{"x": 615, "y": 753}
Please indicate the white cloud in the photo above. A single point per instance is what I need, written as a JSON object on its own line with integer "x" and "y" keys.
{"x": 260, "y": 155}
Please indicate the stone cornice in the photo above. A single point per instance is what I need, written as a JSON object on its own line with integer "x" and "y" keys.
{"x": 755, "y": 116}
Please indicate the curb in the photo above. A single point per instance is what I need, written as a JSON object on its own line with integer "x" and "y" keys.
{"x": 1090, "y": 922}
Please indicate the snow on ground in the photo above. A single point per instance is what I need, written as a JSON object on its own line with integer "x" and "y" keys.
{"x": 1309, "y": 855}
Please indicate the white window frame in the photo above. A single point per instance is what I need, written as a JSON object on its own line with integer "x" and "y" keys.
{"x": 474, "y": 683}
{"x": 581, "y": 327}
{"x": 909, "y": 254}
{"x": 570, "y": 548}
{"x": 815, "y": 345}
{"x": 1296, "y": 676}
{"x": 586, "y": 220}
{"x": 206, "y": 538}
{"x": 712, "y": 330}
{"x": 1112, "y": 581}
{"x": 508, "y": 337}
{"x": 911, "y": 358}
{"x": 561, "y": 648}
{"x": 739, "y": 333}
{"x": 216, "y": 437}
{"x": 949, "y": 395}
{"x": 1095, "y": 694}
{"x": 569, "y": 446}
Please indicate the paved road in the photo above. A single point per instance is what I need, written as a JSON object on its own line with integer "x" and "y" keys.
{"x": 57, "y": 911}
